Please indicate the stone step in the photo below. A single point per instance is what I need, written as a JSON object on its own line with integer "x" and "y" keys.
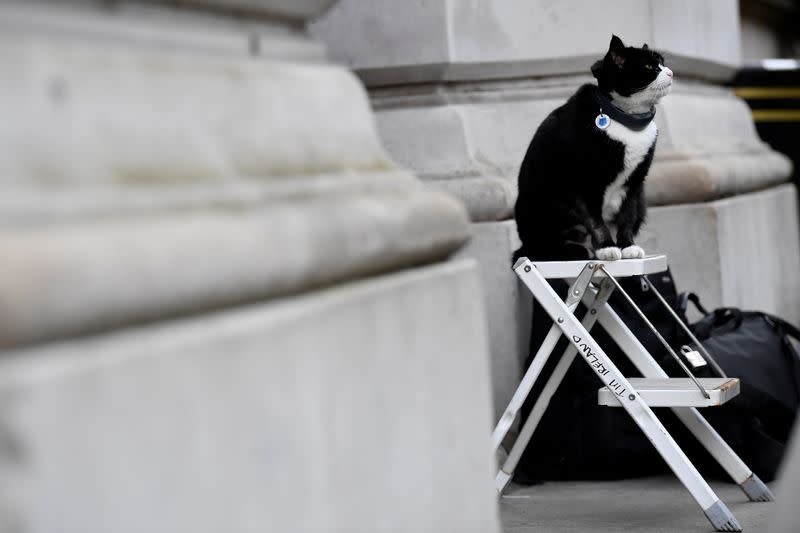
{"x": 363, "y": 407}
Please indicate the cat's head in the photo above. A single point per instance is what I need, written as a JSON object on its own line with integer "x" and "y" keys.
{"x": 634, "y": 75}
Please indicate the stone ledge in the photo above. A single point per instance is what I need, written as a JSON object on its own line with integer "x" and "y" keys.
{"x": 79, "y": 277}
{"x": 484, "y": 39}
{"x": 484, "y": 198}
{"x": 701, "y": 179}
{"x": 455, "y": 71}
{"x": 555, "y": 89}
{"x": 37, "y": 205}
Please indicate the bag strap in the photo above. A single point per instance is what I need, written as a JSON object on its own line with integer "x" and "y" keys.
{"x": 692, "y": 297}
{"x": 681, "y": 303}
{"x": 724, "y": 316}
{"x": 719, "y": 320}
{"x": 788, "y": 328}
{"x": 722, "y": 319}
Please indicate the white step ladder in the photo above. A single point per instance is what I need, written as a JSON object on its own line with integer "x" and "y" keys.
{"x": 592, "y": 283}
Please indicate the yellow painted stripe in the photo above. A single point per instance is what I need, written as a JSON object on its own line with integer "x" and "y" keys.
{"x": 776, "y": 115}
{"x": 767, "y": 92}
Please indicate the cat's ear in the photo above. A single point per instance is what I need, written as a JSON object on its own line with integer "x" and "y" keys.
{"x": 617, "y": 51}
{"x": 644, "y": 47}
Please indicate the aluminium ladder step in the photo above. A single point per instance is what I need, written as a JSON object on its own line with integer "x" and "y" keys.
{"x": 620, "y": 268}
{"x": 674, "y": 392}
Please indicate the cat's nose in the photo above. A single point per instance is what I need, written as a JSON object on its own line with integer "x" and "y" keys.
{"x": 668, "y": 71}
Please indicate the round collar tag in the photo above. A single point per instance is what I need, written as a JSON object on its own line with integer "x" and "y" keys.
{"x": 602, "y": 121}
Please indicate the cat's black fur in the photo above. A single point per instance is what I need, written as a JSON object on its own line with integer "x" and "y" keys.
{"x": 570, "y": 162}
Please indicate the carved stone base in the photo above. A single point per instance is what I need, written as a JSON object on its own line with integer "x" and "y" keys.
{"x": 137, "y": 184}
{"x": 477, "y": 133}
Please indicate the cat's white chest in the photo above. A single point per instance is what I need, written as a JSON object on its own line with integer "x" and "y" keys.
{"x": 637, "y": 144}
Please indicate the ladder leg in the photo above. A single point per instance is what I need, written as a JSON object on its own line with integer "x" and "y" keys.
{"x": 753, "y": 487}
{"x": 505, "y": 473}
{"x": 525, "y": 386}
{"x": 576, "y": 291}
{"x": 715, "y": 510}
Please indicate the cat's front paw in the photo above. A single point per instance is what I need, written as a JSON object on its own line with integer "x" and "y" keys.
{"x": 632, "y": 252}
{"x": 609, "y": 253}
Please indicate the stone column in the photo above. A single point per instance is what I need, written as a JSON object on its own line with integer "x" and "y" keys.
{"x": 460, "y": 86}
{"x": 224, "y": 308}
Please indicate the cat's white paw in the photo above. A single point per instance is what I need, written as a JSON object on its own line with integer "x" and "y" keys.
{"x": 610, "y": 253}
{"x": 632, "y": 252}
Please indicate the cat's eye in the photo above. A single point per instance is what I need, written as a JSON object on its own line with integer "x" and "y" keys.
{"x": 649, "y": 67}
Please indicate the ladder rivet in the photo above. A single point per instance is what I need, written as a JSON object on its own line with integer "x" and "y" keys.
{"x": 591, "y": 266}
{"x": 631, "y": 397}
{"x": 576, "y": 292}
{"x": 593, "y": 311}
{"x": 561, "y": 320}
{"x": 527, "y": 268}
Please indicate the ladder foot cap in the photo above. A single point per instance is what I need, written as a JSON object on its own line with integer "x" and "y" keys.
{"x": 501, "y": 481}
{"x": 756, "y": 490}
{"x": 721, "y": 518}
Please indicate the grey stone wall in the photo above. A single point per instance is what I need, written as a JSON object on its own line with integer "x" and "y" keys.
{"x": 459, "y": 88}
{"x": 224, "y": 307}
{"x": 364, "y": 407}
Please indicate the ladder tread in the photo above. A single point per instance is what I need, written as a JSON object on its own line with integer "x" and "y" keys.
{"x": 620, "y": 268}
{"x": 674, "y": 392}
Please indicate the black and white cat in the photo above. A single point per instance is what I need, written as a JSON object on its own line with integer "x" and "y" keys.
{"x": 586, "y": 164}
